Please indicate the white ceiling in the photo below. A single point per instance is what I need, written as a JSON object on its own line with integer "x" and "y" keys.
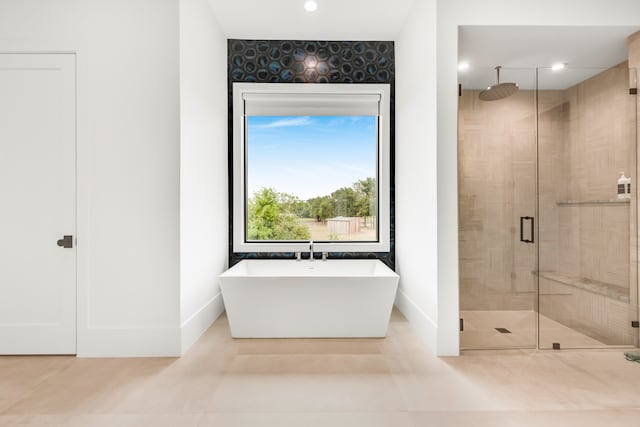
{"x": 586, "y": 50}
{"x": 334, "y": 19}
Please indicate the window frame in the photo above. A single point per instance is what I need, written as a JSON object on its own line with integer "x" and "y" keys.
{"x": 240, "y": 244}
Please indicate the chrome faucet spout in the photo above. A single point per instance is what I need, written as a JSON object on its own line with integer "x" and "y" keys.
{"x": 311, "y": 250}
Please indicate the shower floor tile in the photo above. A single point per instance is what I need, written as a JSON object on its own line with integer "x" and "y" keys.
{"x": 481, "y": 331}
{"x": 554, "y": 332}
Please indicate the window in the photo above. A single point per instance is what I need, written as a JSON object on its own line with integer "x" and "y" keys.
{"x": 311, "y": 162}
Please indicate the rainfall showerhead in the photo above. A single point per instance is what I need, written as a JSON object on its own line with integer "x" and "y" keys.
{"x": 498, "y": 90}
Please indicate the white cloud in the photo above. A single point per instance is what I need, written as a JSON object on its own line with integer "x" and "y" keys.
{"x": 297, "y": 121}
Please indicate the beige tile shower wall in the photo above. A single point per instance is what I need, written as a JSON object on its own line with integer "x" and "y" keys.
{"x": 587, "y": 136}
{"x": 497, "y": 170}
{"x": 600, "y": 130}
{"x": 604, "y": 319}
{"x": 593, "y": 146}
{"x": 553, "y": 131}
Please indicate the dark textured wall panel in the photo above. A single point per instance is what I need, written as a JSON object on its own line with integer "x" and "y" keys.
{"x": 289, "y": 61}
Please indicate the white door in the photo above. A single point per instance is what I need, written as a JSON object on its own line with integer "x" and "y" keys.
{"x": 37, "y": 204}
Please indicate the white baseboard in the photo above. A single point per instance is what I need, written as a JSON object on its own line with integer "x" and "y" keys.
{"x": 421, "y": 323}
{"x": 194, "y": 326}
{"x": 151, "y": 342}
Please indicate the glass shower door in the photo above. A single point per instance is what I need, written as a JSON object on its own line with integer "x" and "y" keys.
{"x": 587, "y": 124}
{"x": 497, "y": 202}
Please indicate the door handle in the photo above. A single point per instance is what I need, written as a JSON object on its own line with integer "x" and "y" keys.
{"x": 66, "y": 242}
{"x": 522, "y": 220}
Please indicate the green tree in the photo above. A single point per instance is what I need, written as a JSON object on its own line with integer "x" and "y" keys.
{"x": 270, "y": 217}
{"x": 366, "y": 197}
{"x": 293, "y": 204}
{"x": 321, "y": 207}
{"x": 344, "y": 201}
{"x": 357, "y": 200}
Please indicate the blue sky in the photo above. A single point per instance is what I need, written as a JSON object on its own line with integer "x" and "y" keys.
{"x": 309, "y": 156}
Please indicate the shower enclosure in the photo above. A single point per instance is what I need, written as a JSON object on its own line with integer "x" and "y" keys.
{"x": 548, "y": 250}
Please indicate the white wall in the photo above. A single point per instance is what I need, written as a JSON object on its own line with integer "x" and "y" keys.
{"x": 416, "y": 167}
{"x": 128, "y": 162}
{"x": 203, "y": 168}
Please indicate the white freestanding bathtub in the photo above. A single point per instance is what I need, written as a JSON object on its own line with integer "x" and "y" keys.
{"x": 308, "y": 299}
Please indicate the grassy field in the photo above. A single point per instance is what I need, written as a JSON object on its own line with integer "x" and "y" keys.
{"x": 319, "y": 231}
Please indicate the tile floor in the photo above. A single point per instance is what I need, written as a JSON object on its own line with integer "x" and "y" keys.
{"x": 393, "y": 382}
{"x": 480, "y": 331}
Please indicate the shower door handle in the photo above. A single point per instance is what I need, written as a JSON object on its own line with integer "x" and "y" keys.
{"x": 522, "y": 220}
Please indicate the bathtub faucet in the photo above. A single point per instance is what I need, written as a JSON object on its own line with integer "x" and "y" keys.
{"x": 311, "y": 250}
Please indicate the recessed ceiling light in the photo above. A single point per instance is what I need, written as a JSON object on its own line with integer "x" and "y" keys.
{"x": 559, "y": 66}
{"x": 310, "y": 6}
{"x": 463, "y": 66}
